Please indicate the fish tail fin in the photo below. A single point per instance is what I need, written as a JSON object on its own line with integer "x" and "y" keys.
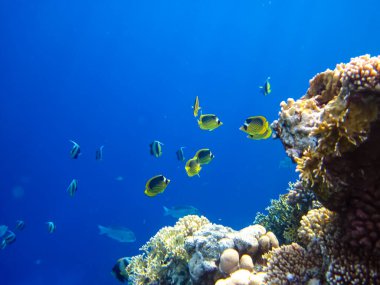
{"x": 102, "y": 230}
{"x": 166, "y": 211}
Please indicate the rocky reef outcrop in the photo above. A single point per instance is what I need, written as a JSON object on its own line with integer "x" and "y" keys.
{"x": 333, "y": 134}
{"x": 191, "y": 252}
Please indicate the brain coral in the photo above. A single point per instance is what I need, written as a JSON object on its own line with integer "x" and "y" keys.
{"x": 333, "y": 134}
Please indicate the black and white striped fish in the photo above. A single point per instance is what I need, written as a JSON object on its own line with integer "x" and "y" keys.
{"x": 75, "y": 150}
{"x": 73, "y": 187}
{"x": 156, "y": 148}
{"x": 51, "y": 227}
{"x": 99, "y": 153}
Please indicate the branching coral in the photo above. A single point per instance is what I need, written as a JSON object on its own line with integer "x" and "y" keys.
{"x": 285, "y": 213}
{"x": 164, "y": 251}
{"x": 291, "y": 264}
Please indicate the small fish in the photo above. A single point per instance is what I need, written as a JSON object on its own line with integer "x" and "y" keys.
{"x": 9, "y": 237}
{"x": 156, "y": 185}
{"x": 120, "y": 234}
{"x": 118, "y": 270}
{"x": 51, "y": 227}
{"x": 99, "y": 153}
{"x": 20, "y": 225}
{"x": 256, "y": 125}
{"x": 3, "y": 230}
{"x": 209, "y": 122}
{"x": 266, "y": 87}
{"x": 204, "y": 156}
{"x": 156, "y": 148}
{"x": 75, "y": 150}
{"x": 196, "y": 107}
{"x": 73, "y": 187}
{"x": 193, "y": 167}
{"x": 180, "y": 155}
{"x": 180, "y": 211}
{"x": 257, "y": 128}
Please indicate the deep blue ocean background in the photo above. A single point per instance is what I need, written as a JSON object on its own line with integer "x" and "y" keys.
{"x": 124, "y": 73}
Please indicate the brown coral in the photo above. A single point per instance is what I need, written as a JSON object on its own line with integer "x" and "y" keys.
{"x": 291, "y": 264}
{"x": 333, "y": 118}
{"x": 333, "y": 134}
{"x": 322, "y": 232}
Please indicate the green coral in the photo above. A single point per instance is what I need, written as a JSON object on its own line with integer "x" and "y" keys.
{"x": 283, "y": 218}
{"x": 163, "y": 252}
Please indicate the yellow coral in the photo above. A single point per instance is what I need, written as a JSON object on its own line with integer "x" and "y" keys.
{"x": 313, "y": 224}
{"x": 166, "y": 247}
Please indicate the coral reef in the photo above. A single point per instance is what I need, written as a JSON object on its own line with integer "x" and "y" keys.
{"x": 322, "y": 231}
{"x": 333, "y": 134}
{"x": 321, "y": 130}
{"x": 342, "y": 165}
{"x": 164, "y": 254}
{"x": 291, "y": 264}
{"x": 333, "y": 212}
{"x": 195, "y": 251}
{"x": 208, "y": 244}
{"x": 284, "y": 214}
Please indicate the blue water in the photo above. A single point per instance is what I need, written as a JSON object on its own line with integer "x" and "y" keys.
{"x": 124, "y": 73}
